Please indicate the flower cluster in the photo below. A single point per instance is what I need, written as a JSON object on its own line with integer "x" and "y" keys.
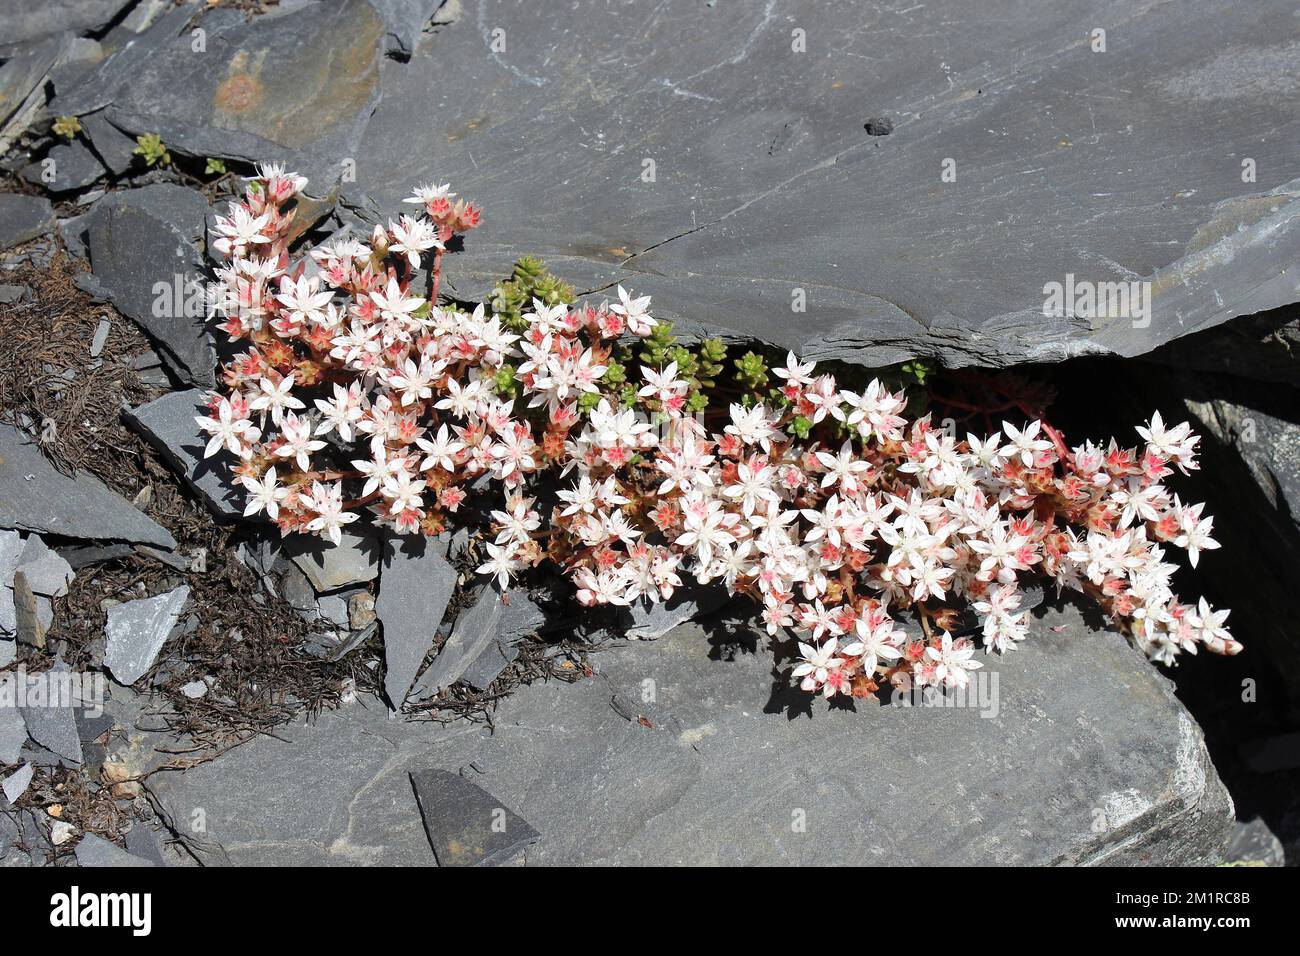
{"x": 867, "y": 534}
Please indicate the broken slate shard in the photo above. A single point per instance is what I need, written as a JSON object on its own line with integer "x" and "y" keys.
{"x": 137, "y": 631}
{"x": 23, "y": 218}
{"x": 15, "y": 785}
{"x": 25, "y": 21}
{"x": 330, "y": 567}
{"x": 466, "y": 825}
{"x": 13, "y": 733}
{"x": 474, "y": 632}
{"x": 96, "y": 851}
{"x": 416, "y": 585}
{"x": 145, "y": 253}
{"x": 733, "y": 179}
{"x": 52, "y": 720}
{"x": 168, "y": 424}
{"x": 34, "y": 496}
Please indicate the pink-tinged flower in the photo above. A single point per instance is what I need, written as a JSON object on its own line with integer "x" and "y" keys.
{"x": 298, "y": 443}
{"x": 953, "y": 661}
{"x": 816, "y": 665}
{"x": 327, "y": 501}
{"x": 264, "y": 493}
{"x": 501, "y": 563}
{"x": 227, "y": 429}
{"x": 634, "y": 311}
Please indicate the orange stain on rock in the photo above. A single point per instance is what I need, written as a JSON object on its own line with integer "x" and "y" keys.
{"x": 238, "y": 93}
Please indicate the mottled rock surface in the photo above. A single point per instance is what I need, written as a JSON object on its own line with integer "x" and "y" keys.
{"x": 1084, "y": 755}
{"x": 295, "y": 88}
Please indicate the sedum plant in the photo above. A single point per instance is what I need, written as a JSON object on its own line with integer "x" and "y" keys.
{"x": 633, "y": 464}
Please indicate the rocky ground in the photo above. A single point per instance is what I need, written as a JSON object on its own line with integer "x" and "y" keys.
{"x": 281, "y": 703}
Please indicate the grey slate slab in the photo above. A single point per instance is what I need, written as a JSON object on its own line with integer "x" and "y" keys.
{"x": 1085, "y": 756}
{"x": 52, "y": 722}
{"x": 295, "y": 88}
{"x": 65, "y": 168}
{"x": 34, "y": 496}
{"x": 168, "y": 423}
{"x": 23, "y": 218}
{"x": 25, "y": 21}
{"x": 466, "y": 825}
{"x": 16, "y": 784}
{"x": 143, "y": 237}
{"x": 1117, "y": 165}
{"x": 137, "y": 631}
{"x": 473, "y": 633}
{"x": 416, "y": 585}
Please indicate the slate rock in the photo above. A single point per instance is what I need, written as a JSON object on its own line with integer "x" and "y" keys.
{"x": 404, "y": 21}
{"x": 1083, "y": 756}
{"x": 519, "y": 618}
{"x": 11, "y": 550}
{"x": 25, "y": 21}
{"x": 767, "y": 189}
{"x": 113, "y": 147}
{"x": 142, "y": 843}
{"x": 13, "y": 733}
{"x": 1269, "y": 444}
{"x": 145, "y": 237}
{"x": 96, "y": 851}
{"x": 639, "y": 622}
{"x": 466, "y": 825}
{"x": 23, "y": 87}
{"x": 473, "y": 633}
{"x": 296, "y": 88}
{"x": 168, "y": 424}
{"x": 330, "y": 567}
{"x": 16, "y": 784}
{"x": 129, "y": 51}
{"x": 52, "y": 723}
{"x": 23, "y": 218}
{"x": 137, "y": 631}
{"x": 34, "y": 496}
{"x": 416, "y": 586}
{"x": 12, "y": 294}
{"x": 65, "y": 168}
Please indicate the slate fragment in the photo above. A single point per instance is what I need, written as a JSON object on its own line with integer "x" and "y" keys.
{"x": 416, "y": 586}
{"x": 168, "y": 423}
{"x": 144, "y": 237}
{"x": 95, "y": 851}
{"x": 466, "y": 825}
{"x": 16, "y": 784}
{"x": 52, "y": 722}
{"x": 22, "y": 218}
{"x": 13, "y": 733}
{"x": 330, "y": 567}
{"x": 474, "y": 631}
{"x": 25, "y": 21}
{"x": 67, "y": 167}
{"x": 34, "y": 496}
{"x": 137, "y": 630}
